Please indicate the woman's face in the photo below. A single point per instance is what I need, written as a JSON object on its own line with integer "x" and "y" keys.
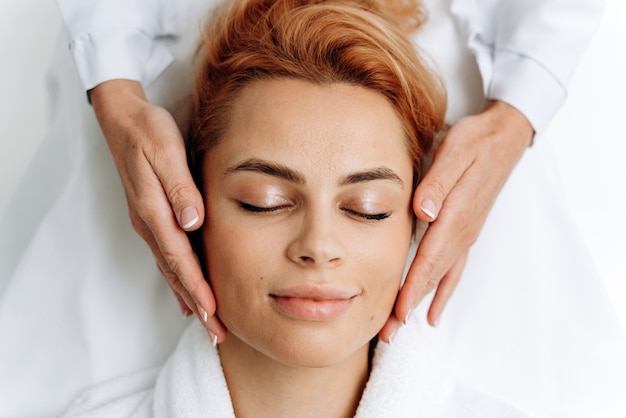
{"x": 308, "y": 219}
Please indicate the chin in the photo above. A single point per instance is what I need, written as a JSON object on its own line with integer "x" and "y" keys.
{"x": 315, "y": 346}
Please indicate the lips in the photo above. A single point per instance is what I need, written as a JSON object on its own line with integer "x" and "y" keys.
{"x": 313, "y": 303}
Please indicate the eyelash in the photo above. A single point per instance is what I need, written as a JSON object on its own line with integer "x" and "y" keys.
{"x": 257, "y": 209}
{"x": 367, "y": 216}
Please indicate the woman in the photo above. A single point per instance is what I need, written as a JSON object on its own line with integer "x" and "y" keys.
{"x": 309, "y": 124}
{"x": 514, "y": 46}
{"x": 528, "y": 290}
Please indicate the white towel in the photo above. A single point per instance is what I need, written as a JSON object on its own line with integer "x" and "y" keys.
{"x": 405, "y": 382}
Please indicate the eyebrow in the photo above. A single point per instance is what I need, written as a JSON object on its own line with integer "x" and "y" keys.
{"x": 378, "y": 173}
{"x": 286, "y": 173}
{"x": 268, "y": 167}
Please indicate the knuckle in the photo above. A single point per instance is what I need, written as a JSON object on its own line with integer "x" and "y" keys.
{"x": 141, "y": 228}
{"x": 173, "y": 261}
{"x": 180, "y": 192}
{"x": 462, "y": 218}
{"x": 430, "y": 285}
{"x": 176, "y": 261}
{"x": 153, "y": 215}
{"x": 143, "y": 209}
{"x": 137, "y": 224}
{"x": 176, "y": 285}
{"x": 431, "y": 265}
{"x": 172, "y": 279}
{"x": 437, "y": 189}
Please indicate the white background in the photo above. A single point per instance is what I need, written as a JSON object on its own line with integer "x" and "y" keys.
{"x": 589, "y": 134}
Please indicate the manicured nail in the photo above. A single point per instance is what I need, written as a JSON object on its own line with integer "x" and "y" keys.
{"x": 189, "y": 217}
{"x": 213, "y": 338}
{"x": 392, "y": 337}
{"x": 408, "y": 316}
{"x": 429, "y": 208}
{"x": 202, "y": 313}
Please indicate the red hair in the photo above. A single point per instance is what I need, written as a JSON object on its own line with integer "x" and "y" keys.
{"x": 359, "y": 42}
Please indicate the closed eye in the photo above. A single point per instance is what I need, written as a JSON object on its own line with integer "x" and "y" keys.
{"x": 257, "y": 209}
{"x": 369, "y": 216}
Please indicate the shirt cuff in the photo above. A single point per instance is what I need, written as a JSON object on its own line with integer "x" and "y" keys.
{"x": 119, "y": 53}
{"x": 526, "y": 85}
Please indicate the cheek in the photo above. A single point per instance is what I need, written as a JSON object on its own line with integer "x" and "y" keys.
{"x": 382, "y": 264}
{"x": 239, "y": 261}
{"x": 385, "y": 247}
{"x": 233, "y": 276}
{"x": 228, "y": 252}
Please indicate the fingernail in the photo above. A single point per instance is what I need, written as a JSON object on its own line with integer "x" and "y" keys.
{"x": 392, "y": 337}
{"x": 213, "y": 338}
{"x": 429, "y": 208}
{"x": 189, "y": 217}
{"x": 408, "y": 316}
{"x": 202, "y": 313}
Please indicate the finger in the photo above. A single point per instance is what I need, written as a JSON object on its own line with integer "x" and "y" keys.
{"x": 170, "y": 166}
{"x": 216, "y": 330}
{"x": 446, "y": 289}
{"x": 182, "y": 296}
{"x": 184, "y": 308}
{"x": 176, "y": 261}
{"x": 445, "y": 239}
{"x": 422, "y": 277}
{"x": 389, "y": 330}
{"x": 449, "y": 165}
{"x": 441, "y": 245}
{"x": 178, "y": 255}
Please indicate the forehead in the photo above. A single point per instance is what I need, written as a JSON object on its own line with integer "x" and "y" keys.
{"x": 305, "y": 124}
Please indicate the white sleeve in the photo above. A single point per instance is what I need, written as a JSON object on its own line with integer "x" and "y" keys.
{"x": 527, "y": 50}
{"x": 112, "y": 39}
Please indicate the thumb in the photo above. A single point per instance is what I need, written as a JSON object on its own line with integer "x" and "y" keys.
{"x": 182, "y": 193}
{"x": 168, "y": 159}
{"x": 447, "y": 168}
{"x": 186, "y": 201}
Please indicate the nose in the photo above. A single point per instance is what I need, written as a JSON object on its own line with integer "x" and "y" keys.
{"x": 317, "y": 241}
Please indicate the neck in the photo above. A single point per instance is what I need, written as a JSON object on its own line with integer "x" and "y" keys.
{"x": 263, "y": 387}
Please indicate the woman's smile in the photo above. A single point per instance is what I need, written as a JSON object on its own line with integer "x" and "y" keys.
{"x": 309, "y": 309}
{"x": 313, "y": 302}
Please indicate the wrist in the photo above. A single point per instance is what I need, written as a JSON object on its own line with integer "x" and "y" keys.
{"x": 503, "y": 117}
{"x": 115, "y": 93}
{"x": 116, "y": 104}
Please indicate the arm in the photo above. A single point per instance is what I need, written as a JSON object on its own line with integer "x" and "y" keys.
{"x": 526, "y": 52}
{"x": 118, "y": 48}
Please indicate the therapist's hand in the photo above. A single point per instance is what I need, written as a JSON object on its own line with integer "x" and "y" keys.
{"x": 469, "y": 169}
{"x": 162, "y": 198}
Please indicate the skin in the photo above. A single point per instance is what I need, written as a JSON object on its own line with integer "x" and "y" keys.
{"x": 163, "y": 201}
{"x": 310, "y": 188}
{"x": 468, "y": 171}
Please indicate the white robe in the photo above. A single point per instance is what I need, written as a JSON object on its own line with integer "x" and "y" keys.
{"x": 404, "y": 383}
{"x": 81, "y": 300}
